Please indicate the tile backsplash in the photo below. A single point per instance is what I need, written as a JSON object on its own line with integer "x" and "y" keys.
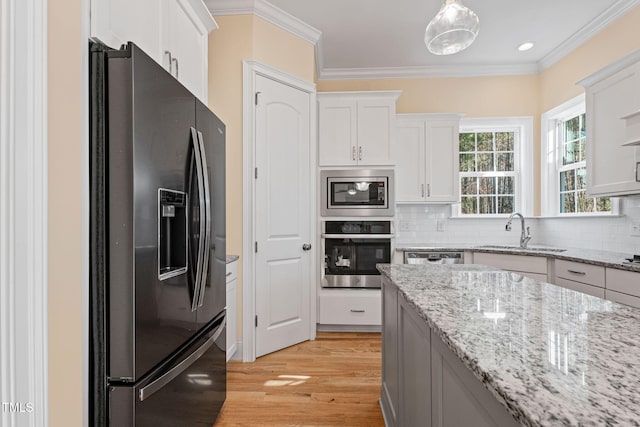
{"x": 432, "y": 224}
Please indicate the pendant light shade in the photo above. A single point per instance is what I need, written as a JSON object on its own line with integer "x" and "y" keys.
{"x": 453, "y": 29}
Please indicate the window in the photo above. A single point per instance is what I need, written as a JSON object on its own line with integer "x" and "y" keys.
{"x": 564, "y": 135}
{"x": 491, "y": 166}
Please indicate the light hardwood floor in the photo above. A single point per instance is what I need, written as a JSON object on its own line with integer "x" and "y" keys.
{"x": 332, "y": 381}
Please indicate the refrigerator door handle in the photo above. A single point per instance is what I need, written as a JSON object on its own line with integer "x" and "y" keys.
{"x": 202, "y": 220}
{"x": 148, "y": 391}
{"x": 207, "y": 204}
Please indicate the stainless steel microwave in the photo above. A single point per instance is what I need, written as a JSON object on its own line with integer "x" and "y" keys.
{"x": 357, "y": 192}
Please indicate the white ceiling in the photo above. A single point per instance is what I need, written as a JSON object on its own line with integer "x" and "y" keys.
{"x": 366, "y": 38}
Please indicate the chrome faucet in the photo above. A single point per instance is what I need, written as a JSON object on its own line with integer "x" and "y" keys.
{"x": 524, "y": 238}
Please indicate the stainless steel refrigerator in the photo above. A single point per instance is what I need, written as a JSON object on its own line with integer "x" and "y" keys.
{"x": 158, "y": 247}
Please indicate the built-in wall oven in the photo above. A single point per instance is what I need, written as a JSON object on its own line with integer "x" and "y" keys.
{"x": 351, "y": 251}
{"x": 366, "y": 192}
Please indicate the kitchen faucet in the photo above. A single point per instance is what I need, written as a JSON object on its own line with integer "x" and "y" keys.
{"x": 524, "y": 238}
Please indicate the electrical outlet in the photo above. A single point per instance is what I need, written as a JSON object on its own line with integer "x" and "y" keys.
{"x": 635, "y": 228}
{"x": 440, "y": 225}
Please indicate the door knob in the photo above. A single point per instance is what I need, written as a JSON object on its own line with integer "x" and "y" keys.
{"x": 306, "y": 247}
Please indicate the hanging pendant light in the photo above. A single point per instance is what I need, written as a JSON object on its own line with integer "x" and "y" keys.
{"x": 453, "y": 29}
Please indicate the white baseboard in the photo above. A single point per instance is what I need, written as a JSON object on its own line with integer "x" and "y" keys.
{"x": 348, "y": 328}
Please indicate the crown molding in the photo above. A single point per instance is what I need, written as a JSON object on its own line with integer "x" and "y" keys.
{"x": 613, "y": 12}
{"x": 306, "y": 32}
{"x": 463, "y": 70}
{"x": 268, "y": 12}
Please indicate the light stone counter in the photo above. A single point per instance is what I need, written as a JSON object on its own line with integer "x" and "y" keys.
{"x": 550, "y": 355}
{"x": 588, "y": 256}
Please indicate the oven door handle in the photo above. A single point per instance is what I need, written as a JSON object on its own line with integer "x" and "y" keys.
{"x": 356, "y": 236}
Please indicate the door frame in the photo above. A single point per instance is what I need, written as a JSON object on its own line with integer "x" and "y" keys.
{"x": 250, "y": 70}
{"x": 23, "y": 212}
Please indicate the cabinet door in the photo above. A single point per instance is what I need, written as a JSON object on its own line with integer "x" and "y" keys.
{"x": 337, "y": 138}
{"x": 443, "y": 182}
{"x": 621, "y": 298}
{"x": 186, "y": 39}
{"x": 389, "y": 398}
{"x": 517, "y": 263}
{"x": 611, "y": 168}
{"x": 376, "y": 123}
{"x": 409, "y": 153}
{"x": 458, "y": 397}
{"x": 627, "y": 282}
{"x": 232, "y": 313}
{"x": 414, "y": 367}
{"x": 115, "y": 22}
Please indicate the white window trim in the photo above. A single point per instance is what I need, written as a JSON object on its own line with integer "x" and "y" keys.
{"x": 549, "y": 160}
{"x": 523, "y": 159}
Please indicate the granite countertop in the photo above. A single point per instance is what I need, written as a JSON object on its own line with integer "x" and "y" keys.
{"x": 552, "y": 356}
{"x": 588, "y": 256}
{"x": 232, "y": 258}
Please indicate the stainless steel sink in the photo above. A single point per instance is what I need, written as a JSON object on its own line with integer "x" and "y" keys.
{"x": 529, "y": 248}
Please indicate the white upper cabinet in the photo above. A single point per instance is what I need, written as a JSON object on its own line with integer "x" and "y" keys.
{"x": 356, "y": 128}
{"x": 185, "y": 41}
{"x": 426, "y": 153}
{"x": 173, "y": 32}
{"x": 612, "y": 94}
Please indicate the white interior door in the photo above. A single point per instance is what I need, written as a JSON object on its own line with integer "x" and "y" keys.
{"x": 282, "y": 216}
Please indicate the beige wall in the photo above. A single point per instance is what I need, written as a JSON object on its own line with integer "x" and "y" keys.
{"x": 558, "y": 83}
{"x": 282, "y": 50}
{"x": 246, "y": 37}
{"x": 65, "y": 213}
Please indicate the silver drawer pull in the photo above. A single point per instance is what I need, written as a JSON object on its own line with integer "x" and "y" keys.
{"x": 357, "y": 311}
{"x": 229, "y": 274}
{"x": 581, "y": 273}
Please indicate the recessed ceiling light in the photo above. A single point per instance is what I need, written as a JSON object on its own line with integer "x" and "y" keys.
{"x": 525, "y": 46}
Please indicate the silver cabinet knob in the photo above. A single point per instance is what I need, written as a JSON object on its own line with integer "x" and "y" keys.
{"x": 306, "y": 247}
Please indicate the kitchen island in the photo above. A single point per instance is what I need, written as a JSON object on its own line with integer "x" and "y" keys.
{"x": 475, "y": 345}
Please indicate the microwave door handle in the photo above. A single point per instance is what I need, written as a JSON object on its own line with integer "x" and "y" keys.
{"x": 207, "y": 204}
{"x": 202, "y": 229}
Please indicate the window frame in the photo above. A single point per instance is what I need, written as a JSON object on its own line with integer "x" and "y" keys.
{"x": 551, "y": 160}
{"x": 523, "y": 160}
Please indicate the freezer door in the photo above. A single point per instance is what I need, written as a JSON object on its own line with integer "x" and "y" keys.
{"x": 211, "y": 132}
{"x": 150, "y": 292}
{"x": 190, "y": 392}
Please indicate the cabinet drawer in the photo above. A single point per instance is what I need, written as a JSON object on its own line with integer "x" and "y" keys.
{"x": 623, "y": 281}
{"x": 623, "y": 298}
{"x": 351, "y": 307}
{"x": 581, "y": 287}
{"x": 580, "y": 272}
{"x": 232, "y": 271}
{"x": 529, "y": 264}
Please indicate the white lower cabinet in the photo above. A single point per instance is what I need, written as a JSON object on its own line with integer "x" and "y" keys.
{"x": 232, "y": 309}
{"x": 350, "y": 307}
{"x": 423, "y": 382}
{"x": 623, "y": 287}
{"x": 534, "y": 267}
{"x": 581, "y": 277}
{"x": 580, "y": 287}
